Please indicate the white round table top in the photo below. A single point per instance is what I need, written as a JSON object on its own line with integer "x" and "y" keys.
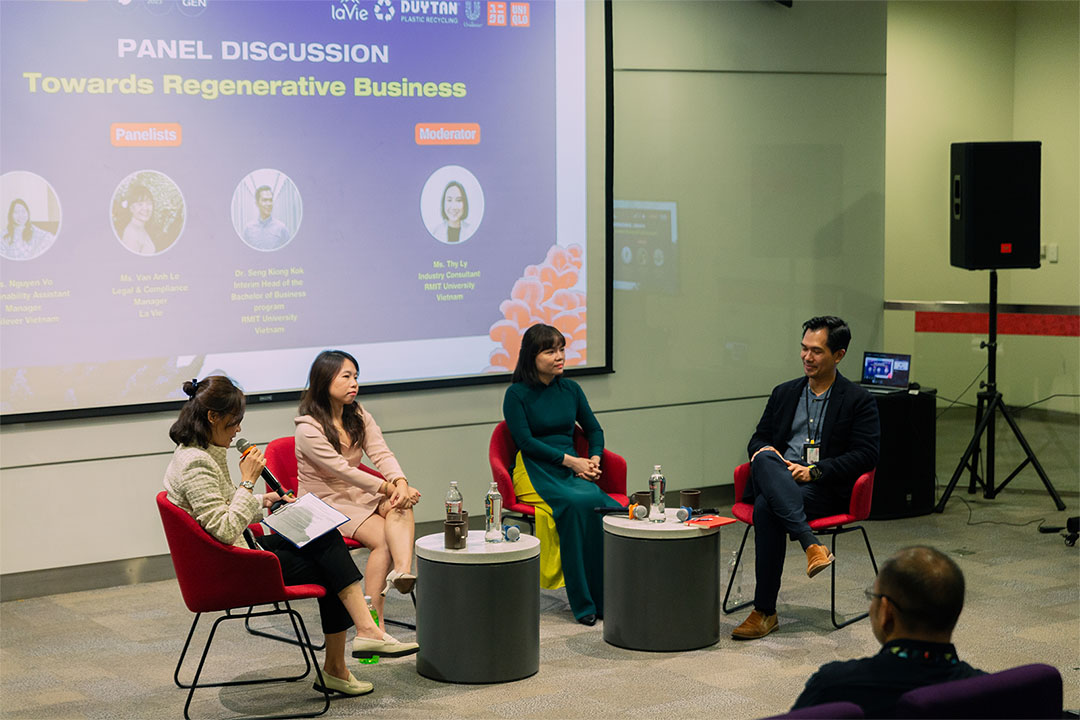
{"x": 670, "y": 529}
{"x": 477, "y": 551}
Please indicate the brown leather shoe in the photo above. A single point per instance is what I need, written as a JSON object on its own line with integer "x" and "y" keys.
{"x": 818, "y": 558}
{"x": 758, "y": 625}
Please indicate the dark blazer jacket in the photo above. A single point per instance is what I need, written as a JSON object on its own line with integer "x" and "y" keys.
{"x": 849, "y": 440}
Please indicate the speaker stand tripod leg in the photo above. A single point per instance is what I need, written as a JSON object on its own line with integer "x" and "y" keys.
{"x": 980, "y": 413}
{"x": 970, "y": 453}
{"x": 1031, "y": 457}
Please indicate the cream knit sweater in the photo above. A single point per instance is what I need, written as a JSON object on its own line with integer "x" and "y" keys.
{"x": 197, "y": 480}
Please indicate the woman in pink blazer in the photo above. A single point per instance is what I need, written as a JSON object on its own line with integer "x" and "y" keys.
{"x": 332, "y": 434}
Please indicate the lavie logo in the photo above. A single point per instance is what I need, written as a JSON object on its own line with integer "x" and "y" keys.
{"x": 348, "y": 11}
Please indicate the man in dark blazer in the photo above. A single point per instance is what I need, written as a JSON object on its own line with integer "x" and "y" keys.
{"x": 818, "y": 433}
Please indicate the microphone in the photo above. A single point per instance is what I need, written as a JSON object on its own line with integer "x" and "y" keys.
{"x": 685, "y": 513}
{"x": 268, "y": 477}
{"x": 634, "y": 511}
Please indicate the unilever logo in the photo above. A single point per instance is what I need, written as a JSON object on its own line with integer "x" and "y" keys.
{"x": 384, "y": 10}
{"x": 472, "y": 13}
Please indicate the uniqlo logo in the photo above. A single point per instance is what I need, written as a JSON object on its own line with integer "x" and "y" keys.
{"x": 497, "y": 13}
{"x": 519, "y": 14}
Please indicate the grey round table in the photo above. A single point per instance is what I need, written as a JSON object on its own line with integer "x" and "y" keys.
{"x": 478, "y": 609}
{"x": 661, "y": 584}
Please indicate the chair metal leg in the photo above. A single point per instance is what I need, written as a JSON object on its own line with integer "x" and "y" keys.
{"x": 731, "y": 580}
{"x": 302, "y": 640}
{"x": 832, "y": 591}
{"x": 273, "y": 636}
{"x": 400, "y": 623}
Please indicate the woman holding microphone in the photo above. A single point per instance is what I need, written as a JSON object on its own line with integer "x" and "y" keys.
{"x": 197, "y": 481}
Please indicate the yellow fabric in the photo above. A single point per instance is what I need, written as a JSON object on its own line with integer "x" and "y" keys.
{"x": 551, "y": 575}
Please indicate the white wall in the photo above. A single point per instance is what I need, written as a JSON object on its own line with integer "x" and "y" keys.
{"x": 982, "y": 71}
{"x": 711, "y": 97}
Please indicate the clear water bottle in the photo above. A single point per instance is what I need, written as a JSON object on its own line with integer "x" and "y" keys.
{"x": 374, "y": 616}
{"x": 657, "y": 486}
{"x": 454, "y": 502}
{"x": 735, "y": 594}
{"x": 493, "y": 515}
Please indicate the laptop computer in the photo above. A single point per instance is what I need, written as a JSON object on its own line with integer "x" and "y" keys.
{"x": 886, "y": 372}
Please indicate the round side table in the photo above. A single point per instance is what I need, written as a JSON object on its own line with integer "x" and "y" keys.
{"x": 661, "y": 584}
{"x": 478, "y": 609}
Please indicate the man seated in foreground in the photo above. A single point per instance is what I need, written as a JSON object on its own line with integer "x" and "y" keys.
{"x": 915, "y": 602}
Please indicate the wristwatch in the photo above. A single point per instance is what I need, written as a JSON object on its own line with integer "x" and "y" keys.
{"x": 247, "y": 485}
{"x": 815, "y": 473}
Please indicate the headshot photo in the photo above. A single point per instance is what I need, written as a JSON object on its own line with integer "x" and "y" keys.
{"x": 148, "y": 212}
{"x": 266, "y": 210}
{"x": 452, "y": 204}
{"x": 31, "y": 216}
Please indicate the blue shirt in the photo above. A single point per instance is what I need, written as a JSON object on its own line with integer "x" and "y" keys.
{"x": 268, "y": 234}
{"x": 806, "y": 425}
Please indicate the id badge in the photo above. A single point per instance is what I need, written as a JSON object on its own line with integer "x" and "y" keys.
{"x": 811, "y": 452}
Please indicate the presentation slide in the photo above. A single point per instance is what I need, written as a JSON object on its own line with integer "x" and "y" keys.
{"x": 195, "y": 187}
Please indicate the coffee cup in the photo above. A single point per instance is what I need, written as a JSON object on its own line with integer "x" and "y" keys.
{"x": 455, "y": 534}
{"x": 690, "y": 499}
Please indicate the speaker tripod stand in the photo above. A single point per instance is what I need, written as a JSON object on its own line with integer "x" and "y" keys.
{"x": 990, "y": 402}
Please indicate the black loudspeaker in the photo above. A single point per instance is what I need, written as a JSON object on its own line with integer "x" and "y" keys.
{"x": 994, "y": 206}
{"x": 904, "y": 484}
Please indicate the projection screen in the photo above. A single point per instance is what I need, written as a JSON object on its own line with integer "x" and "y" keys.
{"x": 193, "y": 187}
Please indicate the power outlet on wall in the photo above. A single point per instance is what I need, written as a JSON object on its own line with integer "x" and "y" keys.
{"x": 1048, "y": 252}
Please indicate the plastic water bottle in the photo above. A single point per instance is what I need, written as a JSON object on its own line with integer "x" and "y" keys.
{"x": 736, "y": 595}
{"x": 657, "y": 485}
{"x": 374, "y": 616}
{"x": 493, "y": 515}
{"x": 453, "y": 502}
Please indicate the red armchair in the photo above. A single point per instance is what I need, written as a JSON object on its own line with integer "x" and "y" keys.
{"x": 501, "y": 454}
{"x": 858, "y": 510}
{"x": 281, "y": 461}
{"x": 214, "y": 577}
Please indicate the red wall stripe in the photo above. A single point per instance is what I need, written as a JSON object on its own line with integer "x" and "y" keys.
{"x": 1008, "y": 323}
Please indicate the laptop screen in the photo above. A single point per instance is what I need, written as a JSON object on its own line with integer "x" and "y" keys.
{"x": 886, "y": 369}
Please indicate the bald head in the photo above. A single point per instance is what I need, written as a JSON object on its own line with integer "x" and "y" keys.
{"x": 927, "y": 588}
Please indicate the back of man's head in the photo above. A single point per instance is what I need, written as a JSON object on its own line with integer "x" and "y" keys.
{"x": 927, "y": 588}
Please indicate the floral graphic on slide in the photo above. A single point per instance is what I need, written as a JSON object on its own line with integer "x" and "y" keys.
{"x": 543, "y": 294}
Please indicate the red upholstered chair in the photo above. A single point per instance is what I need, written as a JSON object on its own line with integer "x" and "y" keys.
{"x": 501, "y": 455}
{"x": 281, "y": 461}
{"x": 214, "y": 577}
{"x": 833, "y": 525}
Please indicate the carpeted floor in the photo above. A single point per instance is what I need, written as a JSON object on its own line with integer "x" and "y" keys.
{"x": 110, "y": 653}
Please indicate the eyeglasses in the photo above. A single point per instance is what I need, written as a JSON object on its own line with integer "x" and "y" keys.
{"x": 870, "y": 595}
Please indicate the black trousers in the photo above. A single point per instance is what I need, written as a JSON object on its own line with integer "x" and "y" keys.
{"x": 323, "y": 561}
{"x": 781, "y": 508}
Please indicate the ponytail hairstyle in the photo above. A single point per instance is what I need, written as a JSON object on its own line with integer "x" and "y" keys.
{"x": 216, "y": 393}
{"x": 316, "y": 399}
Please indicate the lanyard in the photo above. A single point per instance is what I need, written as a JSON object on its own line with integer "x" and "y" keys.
{"x": 813, "y": 425}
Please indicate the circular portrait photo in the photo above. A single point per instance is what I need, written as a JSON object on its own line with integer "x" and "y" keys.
{"x": 147, "y": 212}
{"x": 452, "y": 204}
{"x": 31, "y": 215}
{"x": 266, "y": 210}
